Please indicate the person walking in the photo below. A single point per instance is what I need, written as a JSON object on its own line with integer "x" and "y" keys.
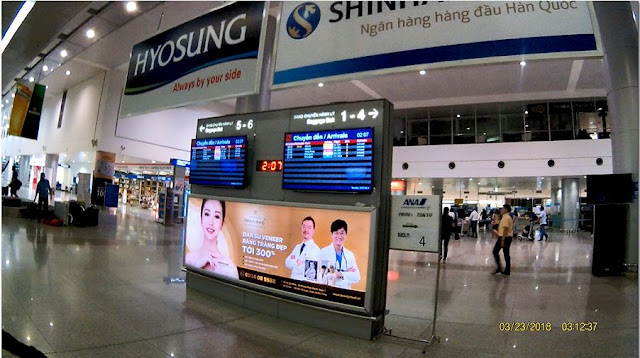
{"x": 445, "y": 234}
{"x": 495, "y": 221}
{"x": 43, "y": 192}
{"x": 474, "y": 222}
{"x": 503, "y": 243}
{"x": 543, "y": 224}
{"x": 457, "y": 224}
{"x": 15, "y": 183}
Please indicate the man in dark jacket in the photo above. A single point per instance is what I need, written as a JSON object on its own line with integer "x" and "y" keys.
{"x": 447, "y": 227}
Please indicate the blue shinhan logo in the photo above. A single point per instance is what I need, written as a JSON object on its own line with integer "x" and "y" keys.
{"x": 303, "y": 20}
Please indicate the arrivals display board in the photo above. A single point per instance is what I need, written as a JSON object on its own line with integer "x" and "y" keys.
{"x": 219, "y": 161}
{"x": 309, "y": 251}
{"x": 338, "y": 40}
{"x": 337, "y": 160}
{"x": 215, "y": 56}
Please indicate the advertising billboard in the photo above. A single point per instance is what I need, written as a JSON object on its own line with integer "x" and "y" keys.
{"x": 26, "y": 110}
{"x": 314, "y": 252}
{"x": 215, "y": 56}
{"x": 366, "y": 38}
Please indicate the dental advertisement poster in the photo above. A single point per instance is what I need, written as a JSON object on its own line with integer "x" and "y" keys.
{"x": 313, "y": 252}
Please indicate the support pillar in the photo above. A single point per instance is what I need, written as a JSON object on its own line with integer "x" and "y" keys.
{"x": 556, "y": 200}
{"x": 619, "y": 36}
{"x": 51, "y": 169}
{"x": 261, "y": 102}
{"x": 23, "y": 174}
{"x": 102, "y": 175}
{"x": 570, "y": 204}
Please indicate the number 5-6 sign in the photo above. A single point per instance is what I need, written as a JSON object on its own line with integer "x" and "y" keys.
{"x": 415, "y": 222}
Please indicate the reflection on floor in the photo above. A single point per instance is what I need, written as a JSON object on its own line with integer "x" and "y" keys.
{"x": 103, "y": 291}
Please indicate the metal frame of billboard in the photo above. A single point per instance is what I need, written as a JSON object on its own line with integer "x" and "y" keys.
{"x": 304, "y": 299}
{"x": 266, "y": 140}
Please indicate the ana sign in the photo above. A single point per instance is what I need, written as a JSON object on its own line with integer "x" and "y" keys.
{"x": 214, "y": 56}
{"x": 359, "y": 38}
{"x": 415, "y": 222}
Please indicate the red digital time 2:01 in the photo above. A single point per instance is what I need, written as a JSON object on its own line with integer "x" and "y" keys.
{"x": 269, "y": 165}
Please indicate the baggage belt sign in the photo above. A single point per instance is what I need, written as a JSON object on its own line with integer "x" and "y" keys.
{"x": 415, "y": 222}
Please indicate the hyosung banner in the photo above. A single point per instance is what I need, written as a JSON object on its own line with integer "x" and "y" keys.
{"x": 215, "y": 56}
{"x": 320, "y": 253}
{"x": 338, "y": 40}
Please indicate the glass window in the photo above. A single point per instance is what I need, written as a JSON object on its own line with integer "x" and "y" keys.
{"x": 419, "y": 132}
{"x": 418, "y": 126}
{"x": 603, "y": 110}
{"x": 561, "y": 121}
{"x": 586, "y": 119}
{"x": 488, "y": 123}
{"x": 399, "y": 123}
{"x": 536, "y": 122}
{"x": 464, "y": 124}
{"x": 512, "y": 122}
{"x": 440, "y": 125}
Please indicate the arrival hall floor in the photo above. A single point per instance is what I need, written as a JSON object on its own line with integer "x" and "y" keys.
{"x": 87, "y": 292}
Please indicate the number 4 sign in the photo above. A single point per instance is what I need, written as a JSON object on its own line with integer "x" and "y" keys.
{"x": 415, "y": 222}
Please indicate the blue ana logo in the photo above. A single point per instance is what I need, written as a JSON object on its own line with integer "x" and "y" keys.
{"x": 303, "y": 20}
{"x": 414, "y": 202}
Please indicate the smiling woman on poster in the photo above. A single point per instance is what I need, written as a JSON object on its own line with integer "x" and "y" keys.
{"x": 337, "y": 256}
{"x": 209, "y": 257}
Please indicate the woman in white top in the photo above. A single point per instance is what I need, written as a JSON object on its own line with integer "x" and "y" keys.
{"x": 208, "y": 256}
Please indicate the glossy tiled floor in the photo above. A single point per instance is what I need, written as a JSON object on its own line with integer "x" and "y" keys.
{"x": 87, "y": 292}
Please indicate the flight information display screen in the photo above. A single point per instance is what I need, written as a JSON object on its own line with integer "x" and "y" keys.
{"x": 219, "y": 161}
{"x": 337, "y": 160}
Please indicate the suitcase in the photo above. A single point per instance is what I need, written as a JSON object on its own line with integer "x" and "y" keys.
{"x": 30, "y": 212}
{"x": 91, "y": 216}
{"x": 76, "y": 214}
{"x": 465, "y": 227}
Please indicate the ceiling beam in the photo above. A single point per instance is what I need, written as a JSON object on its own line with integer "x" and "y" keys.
{"x": 366, "y": 89}
{"x": 576, "y": 69}
{"x": 91, "y": 63}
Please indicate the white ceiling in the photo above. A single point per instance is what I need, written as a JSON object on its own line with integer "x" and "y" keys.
{"x": 117, "y": 31}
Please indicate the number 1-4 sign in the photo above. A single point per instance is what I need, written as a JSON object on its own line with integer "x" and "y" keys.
{"x": 415, "y": 222}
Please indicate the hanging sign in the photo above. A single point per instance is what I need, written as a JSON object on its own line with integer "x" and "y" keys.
{"x": 342, "y": 40}
{"x": 215, "y": 56}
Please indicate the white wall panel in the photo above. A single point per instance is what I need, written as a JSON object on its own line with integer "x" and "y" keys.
{"x": 159, "y": 136}
{"x": 575, "y": 157}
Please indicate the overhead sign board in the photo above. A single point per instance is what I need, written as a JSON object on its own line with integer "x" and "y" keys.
{"x": 340, "y": 115}
{"x": 143, "y": 167}
{"x": 179, "y": 162}
{"x": 338, "y": 40}
{"x": 215, "y": 56}
{"x": 415, "y": 222}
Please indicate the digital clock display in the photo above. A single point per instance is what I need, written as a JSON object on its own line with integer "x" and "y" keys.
{"x": 269, "y": 165}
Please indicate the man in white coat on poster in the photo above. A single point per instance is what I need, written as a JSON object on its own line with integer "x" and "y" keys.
{"x": 343, "y": 260}
{"x": 306, "y": 250}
